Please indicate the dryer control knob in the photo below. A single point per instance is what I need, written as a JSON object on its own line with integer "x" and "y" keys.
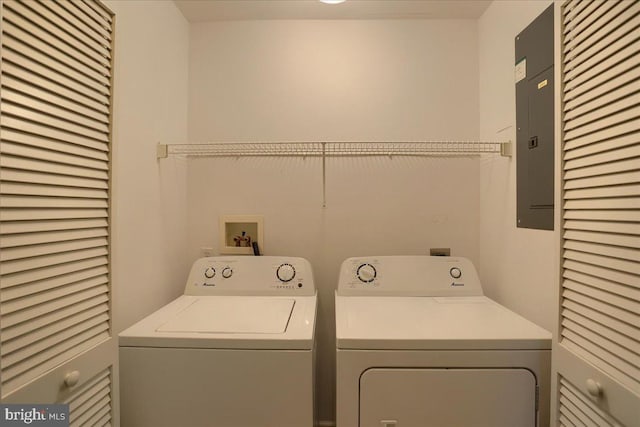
{"x": 227, "y": 272}
{"x": 455, "y": 272}
{"x": 209, "y": 272}
{"x": 366, "y": 273}
{"x": 286, "y": 272}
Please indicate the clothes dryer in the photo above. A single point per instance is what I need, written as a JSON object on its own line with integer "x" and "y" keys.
{"x": 419, "y": 345}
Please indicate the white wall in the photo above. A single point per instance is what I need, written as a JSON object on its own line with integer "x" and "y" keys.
{"x": 148, "y": 197}
{"x": 333, "y": 80}
{"x": 336, "y": 80}
{"x": 517, "y": 265}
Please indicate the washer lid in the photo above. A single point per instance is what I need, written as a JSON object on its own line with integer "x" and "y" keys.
{"x": 241, "y": 315}
{"x": 227, "y": 322}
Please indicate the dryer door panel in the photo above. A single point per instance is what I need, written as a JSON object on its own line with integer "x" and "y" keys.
{"x": 422, "y": 397}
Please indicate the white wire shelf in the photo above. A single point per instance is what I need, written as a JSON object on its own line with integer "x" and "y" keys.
{"x": 336, "y": 149}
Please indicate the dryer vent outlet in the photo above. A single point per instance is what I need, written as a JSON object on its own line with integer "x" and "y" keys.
{"x": 440, "y": 251}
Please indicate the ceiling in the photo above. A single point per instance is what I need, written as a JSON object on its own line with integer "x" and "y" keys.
{"x": 220, "y": 10}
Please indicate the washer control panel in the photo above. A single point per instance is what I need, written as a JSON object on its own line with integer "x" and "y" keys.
{"x": 244, "y": 275}
{"x": 409, "y": 276}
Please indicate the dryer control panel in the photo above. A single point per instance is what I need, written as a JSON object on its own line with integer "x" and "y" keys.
{"x": 244, "y": 275}
{"x": 409, "y": 276}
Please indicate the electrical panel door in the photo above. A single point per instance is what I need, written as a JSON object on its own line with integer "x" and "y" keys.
{"x": 535, "y": 123}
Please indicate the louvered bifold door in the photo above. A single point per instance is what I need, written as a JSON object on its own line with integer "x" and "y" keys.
{"x": 598, "y": 354}
{"x": 54, "y": 194}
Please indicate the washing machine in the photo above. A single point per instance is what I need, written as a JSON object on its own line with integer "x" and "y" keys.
{"x": 236, "y": 350}
{"x": 419, "y": 345}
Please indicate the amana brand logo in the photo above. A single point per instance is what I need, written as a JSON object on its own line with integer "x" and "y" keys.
{"x": 457, "y": 284}
{"x": 38, "y": 415}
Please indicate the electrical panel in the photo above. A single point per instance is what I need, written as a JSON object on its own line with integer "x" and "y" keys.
{"x": 535, "y": 123}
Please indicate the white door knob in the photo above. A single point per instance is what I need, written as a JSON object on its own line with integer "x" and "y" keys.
{"x": 72, "y": 378}
{"x": 594, "y": 388}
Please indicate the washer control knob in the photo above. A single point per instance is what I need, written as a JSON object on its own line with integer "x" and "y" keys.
{"x": 286, "y": 272}
{"x": 209, "y": 272}
{"x": 366, "y": 273}
{"x": 455, "y": 272}
{"x": 227, "y": 272}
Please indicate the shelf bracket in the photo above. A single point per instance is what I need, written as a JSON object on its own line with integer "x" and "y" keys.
{"x": 506, "y": 149}
{"x": 324, "y": 175}
{"x": 162, "y": 151}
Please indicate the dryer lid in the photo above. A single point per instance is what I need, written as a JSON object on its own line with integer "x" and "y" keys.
{"x": 239, "y": 315}
{"x": 433, "y": 323}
